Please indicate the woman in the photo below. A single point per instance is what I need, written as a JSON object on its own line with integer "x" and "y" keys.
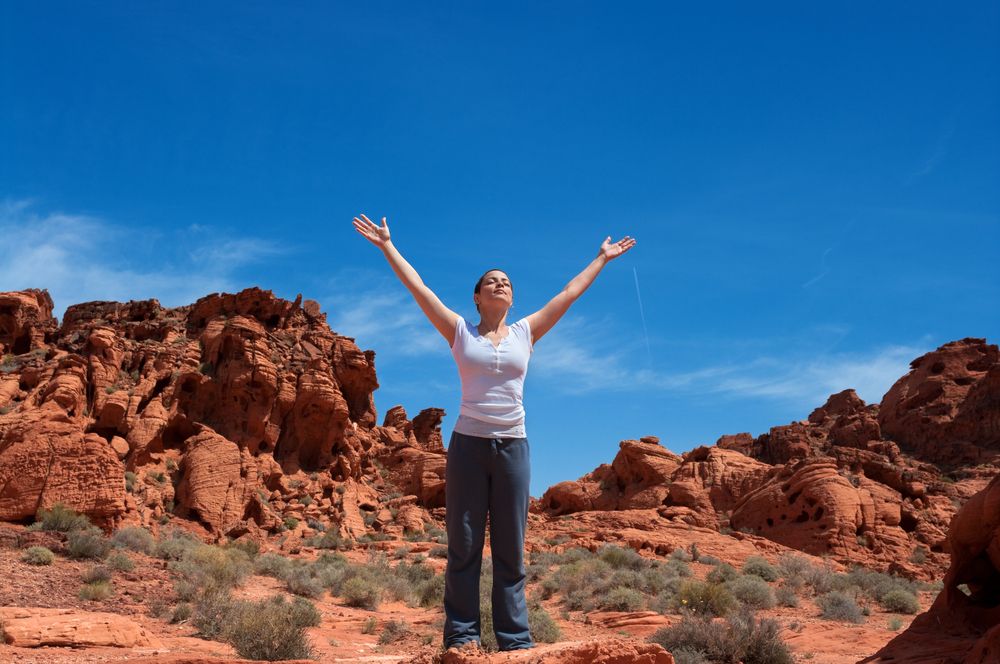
{"x": 488, "y": 470}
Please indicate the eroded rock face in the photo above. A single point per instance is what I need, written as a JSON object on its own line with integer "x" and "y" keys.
{"x": 241, "y": 411}
{"x": 963, "y": 624}
{"x": 34, "y": 627}
{"x": 945, "y": 409}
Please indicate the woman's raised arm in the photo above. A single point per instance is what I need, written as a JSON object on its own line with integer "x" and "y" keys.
{"x": 443, "y": 318}
{"x": 542, "y": 320}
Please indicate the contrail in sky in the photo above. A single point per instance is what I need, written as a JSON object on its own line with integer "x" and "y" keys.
{"x": 645, "y": 333}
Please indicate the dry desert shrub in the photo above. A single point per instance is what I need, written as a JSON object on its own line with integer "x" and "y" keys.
{"x": 87, "y": 543}
{"x": 96, "y": 573}
{"x": 133, "y": 538}
{"x": 742, "y": 638}
{"x": 752, "y": 591}
{"x": 174, "y": 544}
{"x": 270, "y": 630}
{"x": 60, "y": 518}
{"x": 759, "y": 566}
{"x": 785, "y": 595}
{"x": 96, "y": 591}
{"x": 393, "y": 631}
{"x": 705, "y": 599}
{"x": 721, "y": 573}
{"x": 119, "y": 562}
{"x": 900, "y": 601}
{"x": 37, "y": 555}
{"x": 836, "y": 605}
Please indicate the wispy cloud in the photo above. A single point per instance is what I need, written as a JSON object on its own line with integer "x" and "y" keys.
{"x": 937, "y": 154}
{"x": 823, "y": 269}
{"x": 379, "y": 313}
{"x": 81, "y": 258}
{"x": 574, "y": 361}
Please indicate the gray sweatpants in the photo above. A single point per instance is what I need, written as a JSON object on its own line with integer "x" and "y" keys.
{"x": 486, "y": 476}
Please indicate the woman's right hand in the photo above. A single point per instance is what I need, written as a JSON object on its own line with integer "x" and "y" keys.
{"x": 377, "y": 235}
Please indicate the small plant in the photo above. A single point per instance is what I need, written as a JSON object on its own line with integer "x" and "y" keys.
{"x": 270, "y": 630}
{"x": 622, "y": 558}
{"x": 438, "y": 551}
{"x": 621, "y": 598}
{"x": 89, "y": 543}
{"x": 290, "y": 523}
{"x": 133, "y": 538}
{"x": 171, "y": 465}
{"x": 758, "y": 566}
{"x": 97, "y": 591}
{"x": 60, "y": 518}
{"x": 785, "y": 596}
{"x": 836, "y": 605}
{"x": 157, "y": 476}
{"x": 130, "y": 479}
{"x": 752, "y": 591}
{"x": 721, "y": 573}
{"x": 393, "y": 631}
{"x": 37, "y": 555}
{"x": 368, "y": 626}
{"x": 306, "y": 500}
{"x": 181, "y": 613}
{"x": 895, "y": 624}
{"x": 919, "y": 555}
{"x": 300, "y": 581}
{"x": 704, "y": 598}
{"x": 541, "y": 625}
{"x": 362, "y": 593}
{"x": 900, "y": 601}
{"x": 742, "y": 638}
{"x": 119, "y": 562}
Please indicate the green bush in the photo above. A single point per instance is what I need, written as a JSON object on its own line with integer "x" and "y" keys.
{"x": 836, "y": 605}
{"x": 60, "y": 518}
{"x": 87, "y": 543}
{"x": 133, "y": 538}
{"x": 97, "y": 591}
{"x": 430, "y": 594}
{"x": 900, "y": 601}
{"x": 758, "y": 566}
{"x": 438, "y": 551}
{"x": 267, "y": 630}
{"x": 742, "y": 638}
{"x": 752, "y": 591}
{"x": 37, "y": 555}
{"x": 704, "y": 598}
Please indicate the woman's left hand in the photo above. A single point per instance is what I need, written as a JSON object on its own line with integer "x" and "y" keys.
{"x": 611, "y": 249}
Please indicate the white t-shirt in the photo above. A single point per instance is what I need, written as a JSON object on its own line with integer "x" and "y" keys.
{"x": 492, "y": 380}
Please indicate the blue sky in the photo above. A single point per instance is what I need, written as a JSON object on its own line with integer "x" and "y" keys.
{"x": 814, "y": 189}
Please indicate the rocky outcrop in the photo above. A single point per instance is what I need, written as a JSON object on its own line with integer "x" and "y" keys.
{"x": 241, "y": 411}
{"x": 963, "y": 625}
{"x": 945, "y": 410}
{"x": 34, "y": 627}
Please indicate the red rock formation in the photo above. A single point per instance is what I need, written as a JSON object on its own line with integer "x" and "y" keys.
{"x": 239, "y": 411}
{"x": 963, "y": 625}
{"x": 945, "y": 409}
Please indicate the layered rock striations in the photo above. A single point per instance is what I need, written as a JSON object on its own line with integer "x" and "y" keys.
{"x": 243, "y": 412}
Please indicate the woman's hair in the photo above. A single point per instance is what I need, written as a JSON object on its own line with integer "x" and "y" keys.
{"x": 479, "y": 283}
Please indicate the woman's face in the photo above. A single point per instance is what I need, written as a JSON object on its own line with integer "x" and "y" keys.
{"x": 495, "y": 291}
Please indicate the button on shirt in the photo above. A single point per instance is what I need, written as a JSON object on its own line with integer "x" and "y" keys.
{"x": 492, "y": 380}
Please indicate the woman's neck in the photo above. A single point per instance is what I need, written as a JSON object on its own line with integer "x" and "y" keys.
{"x": 491, "y": 322}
